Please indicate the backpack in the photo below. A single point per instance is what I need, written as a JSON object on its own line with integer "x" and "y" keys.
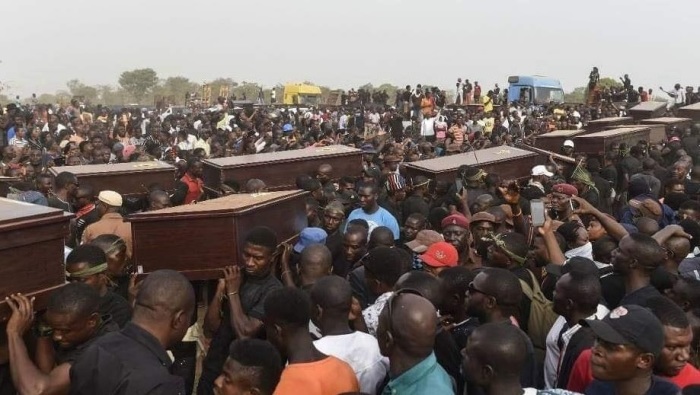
{"x": 542, "y": 316}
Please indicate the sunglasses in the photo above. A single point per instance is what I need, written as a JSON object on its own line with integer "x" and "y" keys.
{"x": 472, "y": 289}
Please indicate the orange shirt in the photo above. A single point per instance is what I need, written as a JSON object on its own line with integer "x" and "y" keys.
{"x": 687, "y": 376}
{"x": 329, "y": 376}
{"x": 195, "y": 188}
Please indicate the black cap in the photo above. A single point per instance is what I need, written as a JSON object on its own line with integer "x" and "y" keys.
{"x": 630, "y": 324}
{"x": 573, "y": 264}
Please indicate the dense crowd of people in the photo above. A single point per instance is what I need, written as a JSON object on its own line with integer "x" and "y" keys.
{"x": 399, "y": 285}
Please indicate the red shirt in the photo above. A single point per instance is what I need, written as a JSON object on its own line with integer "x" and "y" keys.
{"x": 195, "y": 188}
{"x": 687, "y": 376}
{"x": 581, "y": 374}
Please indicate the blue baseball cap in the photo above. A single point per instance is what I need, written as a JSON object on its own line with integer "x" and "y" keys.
{"x": 287, "y": 128}
{"x": 310, "y": 236}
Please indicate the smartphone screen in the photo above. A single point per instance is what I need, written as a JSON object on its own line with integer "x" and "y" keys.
{"x": 458, "y": 184}
{"x": 537, "y": 212}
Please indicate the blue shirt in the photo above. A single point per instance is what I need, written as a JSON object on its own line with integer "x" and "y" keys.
{"x": 428, "y": 377}
{"x": 381, "y": 217}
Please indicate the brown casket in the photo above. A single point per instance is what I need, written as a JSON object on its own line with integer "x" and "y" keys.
{"x": 648, "y": 109}
{"x": 657, "y": 132}
{"x": 598, "y": 143}
{"x": 692, "y": 111}
{"x": 200, "y": 239}
{"x": 606, "y": 123}
{"x": 31, "y": 251}
{"x": 506, "y": 161}
{"x": 129, "y": 179}
{"x": 279, "y": 170}
{"x": 669, "y": 122}
{"x": 552, "y": 141}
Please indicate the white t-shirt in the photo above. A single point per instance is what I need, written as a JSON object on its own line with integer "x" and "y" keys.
{"x": 427, "y": 127}
{"x": 361, "y": 351}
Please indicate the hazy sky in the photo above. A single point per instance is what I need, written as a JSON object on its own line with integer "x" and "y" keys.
{"x": 345, "y": 44}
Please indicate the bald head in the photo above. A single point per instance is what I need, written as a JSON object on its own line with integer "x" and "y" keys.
{"x": 255, "y": 185}
{"x": 161, "y": 294}
{"x": 679, "y": 247}
{"x": 499, "y": 345}
{"x": 332, "y": 293}
{"x": 430, "y": 287}
{"x": 412, "y": 325}
{"x": 381, "y": 236}
{"x": 316, "y": 261}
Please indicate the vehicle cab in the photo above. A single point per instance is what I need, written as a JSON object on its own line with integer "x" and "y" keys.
{"x": 534, "y": 90}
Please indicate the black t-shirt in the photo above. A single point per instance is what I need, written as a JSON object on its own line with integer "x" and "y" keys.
{"x": 658, "y": 386}
{"x": 60, "y": 204}
{"x": 252, "y": 294}
{"x": 415, "y": 204}
{"x": 117, "y": 307}
{"x": 87, "y": 219}
{"x": 641, "y": 296}
{"x": 71, "y": 355}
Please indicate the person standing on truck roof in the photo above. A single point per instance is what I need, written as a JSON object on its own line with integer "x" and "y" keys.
{"x": 467, "y": 92}
{"x": 477, "y": 92}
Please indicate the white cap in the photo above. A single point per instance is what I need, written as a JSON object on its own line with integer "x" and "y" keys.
{"x": 569, "y": 143}
{"x": 541, "y": 170}
{"x": 110, "y": 198}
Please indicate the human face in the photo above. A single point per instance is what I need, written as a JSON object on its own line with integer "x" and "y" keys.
{"x": 496, "y": 257}
{"x": 44, "y": 184}
{"x": 595, "y": 230}
{"x": 117, "y": 262}
{"x": 471, "y": 365}
{"x": 481, "y": 229}
{"x": 411, "y": 228}
{"x": 581, "y": 237}
{"x": 457, "y": 236}
{"x": 560, "y": 301}
{"x": 197, "y": 169}
{"x": 97, "y": 143}
{"x": 35, "y": 157}
{"x": 622, "y": 256}
{"x": 9, "y": 153}
{"x": 368, "y": 198}
{"x": 257, "y": 260}
{"x": 353, "y": 246}
{"x": 73, "y": 161}
{"x": 476, "y": 298}
{"x": 94, "y": 281}
{"x": 560, "y": 201}
{"x": 106, "y": 155}
{"x": 68, "y": 330}
{"x": 324, "y": 175}
{"x": 676, "y": 351}
{"x": 680, "y": 171}
{"x": 236, "y": 379}
{"x": 617, "y": 362}
{"x": 332, "y": 221}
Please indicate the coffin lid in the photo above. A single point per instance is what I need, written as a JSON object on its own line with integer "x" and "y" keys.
{"x": 472, "y": 158}
{"x": 116, "y": 168}
{"x": 227, "y": 205}
{"x": 561, "y": 133}
{"x": 609, "y": 120}
{"x": 13, "y": 211}
{"x": 615, "y": 132}
{"x": 282, "y": 156}
{"x": 666, "y": 120}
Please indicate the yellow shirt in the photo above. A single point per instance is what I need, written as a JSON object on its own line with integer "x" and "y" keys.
{"x": 488, "y": 125}
{"x": 488, "y": 104}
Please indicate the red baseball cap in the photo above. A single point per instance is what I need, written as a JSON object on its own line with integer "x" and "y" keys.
{"x": 455, "y": 219}
{"x": 440, "y": 254}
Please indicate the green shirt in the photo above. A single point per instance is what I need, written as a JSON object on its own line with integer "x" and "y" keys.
{"x": 427, "y": 377}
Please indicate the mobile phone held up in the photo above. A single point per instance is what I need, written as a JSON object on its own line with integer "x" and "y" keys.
{"x": 537, "y": 212}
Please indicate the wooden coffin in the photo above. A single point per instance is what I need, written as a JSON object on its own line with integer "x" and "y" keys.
{"x": 669, "y": 122}
{"x": 508, "y": 162}
{"x": 129, "y": 179}
{"x": 692, "y": 111}
{"x": 31, "y": 251}
{"x": 606, "y": 123}
{"x": 657, "y": 132}
{"x": 279, "y": 170}
{"x": 552, "y": 141}
{"x": 200, "y": 239}
{"x": 646, "y": 110}
{"x": 598, "y": 143}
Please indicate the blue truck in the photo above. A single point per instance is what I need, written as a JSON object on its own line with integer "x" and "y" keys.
{"x": 534, "y": 89}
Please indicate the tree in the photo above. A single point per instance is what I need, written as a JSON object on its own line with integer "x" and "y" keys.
{"x": 88, "y": 93}
{"x": 608, "y": 82}
{"x": 578, "y": 95}
{"x": 178, "y": 87}
{"x": 138, "y": 82}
